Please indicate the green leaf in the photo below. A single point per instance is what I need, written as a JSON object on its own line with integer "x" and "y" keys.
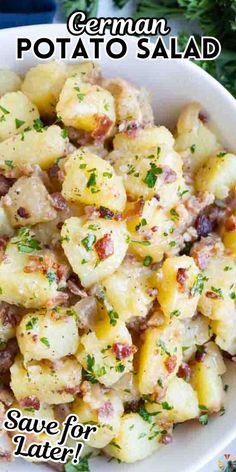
{"x": 38, "y": 125}
{"x": 151, "y": 176}
{"x": 198, "y": 285}
{"x": 45, "y": 341}
{"x": 113, "y": 317}
{"x": 4, "y": 110}
{"x": 203, "y": 419}
{"x": 147, "y": 261}
{"x": 89, "y": 241}
{"x": 146, "y": 415}
{"x": 26, "y": 241}
{"x": 31, "y": 323}
{"x": 19, "y": 123}
{"x": 83, "y": 465}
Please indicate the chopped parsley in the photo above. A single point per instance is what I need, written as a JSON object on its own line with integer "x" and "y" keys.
{"x": 147, "y": 261}
{"x": 198, "y": 285}
{"x": 120, "y": 367}
{"x": 31, "y": 323}
{"x": 221, "y": 154}
{"x": 38, "y": 125}
{"x": 203, "y": 419}
{"x": 81, "y": 96}
{"x": 107, "y": 174}
{"x": 19, "y": 123}
{"x": 113, "y": 317}
{"x": 145, "y": 414}
{"x": 163, "y": 347}
{"x": 175, "y": 313}
{"x": 143, "y": 222}
{"x": 9, "y": 163}
{"x": 93, "y": 371}
{"x": 64, "y": 133}
{"x": 82, "y": 466}
{"x": 26, "y": 241}
{"x": 4, "y": 110}
{"x": 232, "y": 295}
{"x": 143, "y": 243}
{"x": 166, "y": 406}
{"x": 89, "y": 241}
{"x": 218, "y": 291}
{"x": 174, "y": 214}
{"x": 51, "y": 276}
{"x": 193, "y": 148}
{"x": 151, "y": 176}
{"x": 92, "y": 180}
{"x": 45, "y": 341}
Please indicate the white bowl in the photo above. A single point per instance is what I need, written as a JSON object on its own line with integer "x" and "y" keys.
{"x": 173, "y": 83}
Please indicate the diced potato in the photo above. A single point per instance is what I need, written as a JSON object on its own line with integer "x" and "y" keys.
{"x": 218, "y": 295}
{"x": 17, "y": 113}
{"x": 52, "y": 384}
{"x": 206, "y": 379}
{"x": 132, "y": 104}
{"x": 43, "y": 84}
{"x": 87, "y": 107}
{"x": 127, "y": 388}
{"x": 34, "y": 147}
{"x": 9, "y": 81}
{"x": 129, "y": 290}
{"x": 160, "y": 356}
{"x": 87, "y": 71}
{"x": 196, "y": 332}
{"x": 51, "y": 334}
{"x": 106, "y": 353}
{"x": 5, "y": 226}
{"x": 225, "y": 331}
{"x": 194, "y": 137}
{"x": 148, "y": 164}
{"x": 94, "y": 249}
{"x": 31, "y": 289}
{"x": 179, "y": 404}
{"x": 217, "y": 175}
{"x": 178, "y": 287}
{"x": 91, "y": 180}
{"x": 104, "y": 409}
{"x": 28, "y": 202}
{"x": 136, "y": 440}
{"x": 152, "y": 231}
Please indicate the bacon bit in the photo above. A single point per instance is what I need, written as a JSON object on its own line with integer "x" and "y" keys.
{"x": 105, "y": 213}
{"x": 154, "y": 229}
{"x": 103, "y": 127}
{"x": 45, "y": 263}
{"x": 205, "y": 248}
{"x": 203, "y": 117}
{"x": 135, "y": 210}
{"x": 230, "y": 223}
{"x": 8, "y": 315}
{"x": 181, "y": 278}
{"x": 204, "y": 225}
{"x": 74, "y": 285}
{"x": 132, "y": 406}
{"x": 30, "y": 402}
{"x": 79, "y": 137}
{"x": 71, "y": 390}
{"x": 59, "y": 299}
{"x": 104, "y": 247}
{"x": 213, "y": 295}
{"x": 166, "y": 439}
{"x": 91, "y": 212}
{"x": 23, "y": 213}
{"x": 3, "y": 243}
{"x": 122, "y": 350}
{"x": 61, "y": 412}
{"x": 5, "y": 185}
{"x": 6, "y": 396}
{"x": 171, "y": 363}
{"x": 184, "y": 371}
{"x": 7, "y": 356}
{"x": 5, "y": 456}
{"x": 201, "y": 353}
{"x": 58, "y": 201}
{"x": 168, "y": 175}
{"x": 35, "y": 338}
{"x": 85, "y": 387}
{"x": 105, "y": 412}
{"x": 157, "y": 197}
{"x": 53, "y": 171}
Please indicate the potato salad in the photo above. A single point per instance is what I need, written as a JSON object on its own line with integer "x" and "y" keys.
{"x": 117, "y": 259}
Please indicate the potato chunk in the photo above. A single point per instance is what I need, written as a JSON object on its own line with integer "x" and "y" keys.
{"x": 28, "y": 202}
{"x": 196, "y": 332}
{"x": 179, "y": 404}
{"x": 206, "y": 379}
{"x": 195, "y": 138}
{"x": 148, "y": 164}
{"x": 217, "y": 175}
{"x": 91, "y": 180}
{"x": 153, "y": 232}
{"x": 136, "y": 440}
{"x": 9, "y": 81}
{"x": 5, "y": 226}
{"x": 177, "y": 285}
{"x": 17, "y": 113}
{"x": 43, "y": 84}
{"x": 106, "y": 353}
{"x": 102, "y": 408}
{"x": 87, "y": 107}
{"x": 87, "y": 71}
{"x": 51, "y": 334}
{"x": 160, "y": 356}
{"x": 94, "y": 249}
{"x": 52, "y": 384}
{"x": 225, "y": 331}
{"x": 30, "y": 285}
{"x": 37, "y": 147}
{"x": 218, "y": 296}
{"x": 130, "y": 290}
